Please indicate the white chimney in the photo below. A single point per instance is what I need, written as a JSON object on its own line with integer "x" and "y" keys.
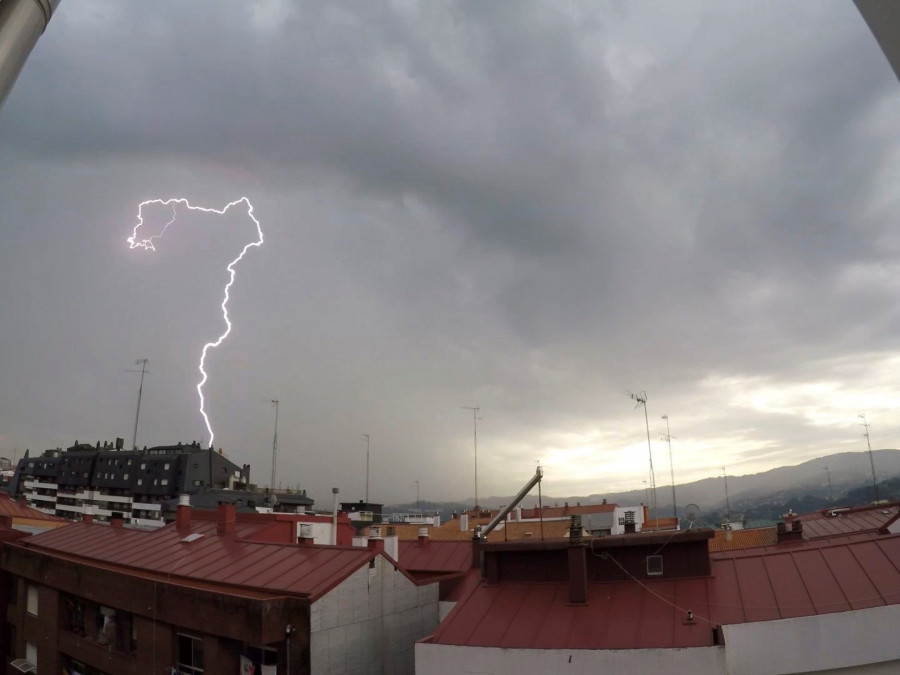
{"x": 463, "y": 522}
{"x": 392, "y": 544}
{"x": 184, "y": 500}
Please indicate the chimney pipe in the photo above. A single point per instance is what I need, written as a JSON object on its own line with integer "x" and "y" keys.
{"x": 306, "y": 536}
{"x": 463, "y": 522}
{"x": 334, "y": 515}
{"x": 226, "y": 519}
{"x": 88, "y": 516}
{"x": 183, "y": 513}
{"x": 423, "y": 537}
{"x": 376, "y": 543}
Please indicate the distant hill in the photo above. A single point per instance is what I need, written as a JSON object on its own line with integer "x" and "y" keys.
{"x": 849, "y": 471}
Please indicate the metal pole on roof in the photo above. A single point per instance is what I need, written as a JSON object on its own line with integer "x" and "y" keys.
{"x": 22, "y": 22}
{"x": 830, "y": 493}
{"x": 727, "y": 503}
{"x": 865, "y": 424}
{"x": 137, "y": 415}
{"x": 669, "y": 438}
{"x": 475, "y": 419}
{"x": 366, "y": 436}
{"x": 641, "y": 399}
{"x": 274, "y": 402}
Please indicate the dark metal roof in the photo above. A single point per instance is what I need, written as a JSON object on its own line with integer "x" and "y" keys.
{"x": 751, "y": 585}
{"x": 228, "y": 560}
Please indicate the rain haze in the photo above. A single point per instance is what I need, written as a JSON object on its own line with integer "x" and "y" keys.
{"x": 530, "y": 209}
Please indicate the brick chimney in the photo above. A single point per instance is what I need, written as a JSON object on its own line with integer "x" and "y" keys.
{"x": 577, "y": 562}
{"x": 376, "y": 543}
{"x": 116, "y": 520}
{"x": 183, "y": 513}
{"x": 226, "y": 519}
{"x": 423, "y": 537}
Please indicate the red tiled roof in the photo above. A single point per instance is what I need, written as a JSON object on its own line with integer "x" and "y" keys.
{"x": 660, "y": 524}
{"x": 738, "y": 539}
{"x": 228, "y": 560}
{"x": 562, "y": 511}
{"x": 10, "y": 507}
{"x": 745, "y": 586}
{"x": 436, "y": 556}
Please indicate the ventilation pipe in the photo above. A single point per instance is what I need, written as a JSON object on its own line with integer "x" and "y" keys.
{"x": 538, "y": 475}
{"x": 334, "y": 514}
{"x": 22, "y": 22}
{"x": 423, "y": 537}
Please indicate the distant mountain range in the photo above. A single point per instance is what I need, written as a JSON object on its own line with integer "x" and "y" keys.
{"x": 849, "y": 471}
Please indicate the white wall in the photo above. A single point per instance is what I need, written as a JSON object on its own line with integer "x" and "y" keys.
{"x": 370, "y": 622}
{"x": 620, "y": 513}
{"x": 432, "y": 659}
{"x": 814, "y": 643}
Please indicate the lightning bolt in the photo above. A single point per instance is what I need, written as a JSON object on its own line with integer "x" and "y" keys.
{"x": 148, "y": 245}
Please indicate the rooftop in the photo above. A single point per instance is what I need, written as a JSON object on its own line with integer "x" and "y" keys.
{"x": 238, "y": 560}
{"x": 749, "y": 585}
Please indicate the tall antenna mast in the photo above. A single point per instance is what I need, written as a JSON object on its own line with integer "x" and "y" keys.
{"x": 475, "y": 419}
{"x": 274, "y": 402}
{"x": 668, "y": 438}
{"x": 865, "y": 424}
{"x": 727, "y": 503}
{"x": 641, "y": 399}
{"x": 366, "y": 436}
{"x": 830, "y": 492}
{"x": 137, "y": 415}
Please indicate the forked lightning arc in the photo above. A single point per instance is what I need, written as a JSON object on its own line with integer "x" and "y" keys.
{"x": 148, "y": 245}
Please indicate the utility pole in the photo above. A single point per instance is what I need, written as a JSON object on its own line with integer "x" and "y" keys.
{"x": 830, "y": 492}
{"x": 668, "y": 437}
{"x": 475, "y": 419}
{"x": 366, "y": 436}
{"x": 641, "y": 399}
{"x": 865, "y": 424}
{"x": 143, "y": 364}
{"x": 727, "y": 503}
{"x": 274, "y": 402}
{"x": 418, "y": 510}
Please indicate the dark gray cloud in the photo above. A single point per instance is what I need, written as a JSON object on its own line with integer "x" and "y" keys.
{"x": 529, "y": 210}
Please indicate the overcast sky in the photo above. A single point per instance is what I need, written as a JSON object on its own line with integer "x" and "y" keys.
{"x": 528, "y": 207}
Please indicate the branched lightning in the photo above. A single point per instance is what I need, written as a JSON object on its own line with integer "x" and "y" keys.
{"x": 147, "y": 244}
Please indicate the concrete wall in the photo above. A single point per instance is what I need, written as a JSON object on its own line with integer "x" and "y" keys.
{"x": 815, "y": 643}
{"x": 434, "y": 659}
{"x": 370, "y": 622}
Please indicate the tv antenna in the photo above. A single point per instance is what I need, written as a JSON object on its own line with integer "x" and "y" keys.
{"x": 641, "y": 399}
{"x": 865, "y": 423}
{"x": 691, "y": 512}
{"x": 274, "y": 402}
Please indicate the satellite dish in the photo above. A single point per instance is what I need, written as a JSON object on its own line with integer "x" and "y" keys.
{"x": 691, "y": 512}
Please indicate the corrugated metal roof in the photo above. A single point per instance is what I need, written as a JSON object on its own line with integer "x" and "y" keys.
{"x": 730, "y": 540}
{"x": 860, "y": 519}
{"x": 748, "y": 585}
{"x": 284, "y": 568}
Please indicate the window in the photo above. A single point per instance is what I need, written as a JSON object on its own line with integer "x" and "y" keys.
{"x": 197, "y": 483}
{"x": 164, "y": 481}
{"x": 166, "y": 466}
{"x": 190, "y": 654}
{"x": 654, "y": 565}
{"x": 126, "y": 476}
{"x": 143, "y": 465}
{"x": 31, "y": 653}
{"x": 140, "y": 481}
{"x": 31, "y": 603}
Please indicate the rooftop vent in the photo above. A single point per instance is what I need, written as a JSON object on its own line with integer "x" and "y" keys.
{"x": 193, "y": 536}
